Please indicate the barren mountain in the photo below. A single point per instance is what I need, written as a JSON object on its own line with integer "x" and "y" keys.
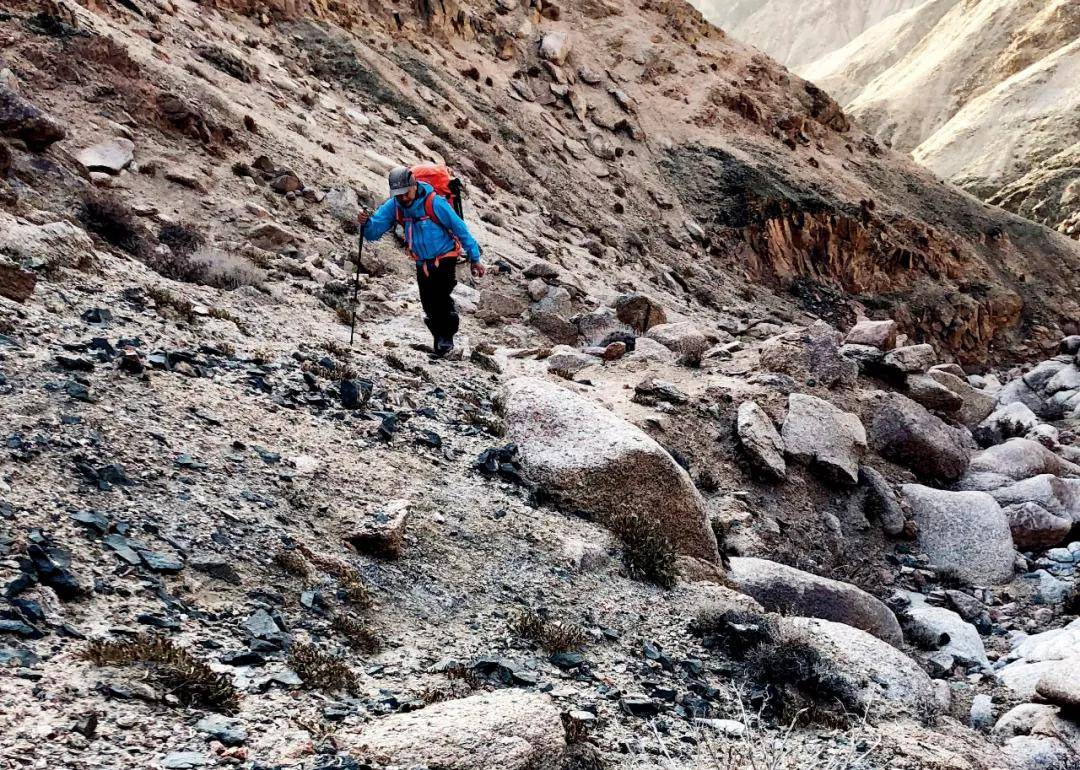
{"x": 742, "y": 430}
{"x": 798, "y": 33}
{"x": 982, "y": 93}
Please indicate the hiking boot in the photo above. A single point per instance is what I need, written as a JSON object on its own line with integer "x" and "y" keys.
{"x": 443, "y": 347}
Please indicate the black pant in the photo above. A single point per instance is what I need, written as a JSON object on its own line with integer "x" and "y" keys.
{"x": 440, "y": 313}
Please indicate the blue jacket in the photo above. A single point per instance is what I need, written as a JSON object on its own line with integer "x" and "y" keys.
{"x": 426, "y": 239}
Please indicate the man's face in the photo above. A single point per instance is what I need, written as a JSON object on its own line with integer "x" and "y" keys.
{"x": 408, "y": 197}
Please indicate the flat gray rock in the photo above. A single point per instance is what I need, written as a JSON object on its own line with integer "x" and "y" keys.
{"x": 829, "y": 440}
{"x": 780, "y": 588}
{"x": 503, "y": 730}
{"x": 760, "y": 440}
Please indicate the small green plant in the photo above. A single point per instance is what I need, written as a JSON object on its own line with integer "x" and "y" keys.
{"x": 322, "y": 671}
{"x": 193, "y": 682}
{"x": 647, "y": 552}
{"x": 552, "y": 635}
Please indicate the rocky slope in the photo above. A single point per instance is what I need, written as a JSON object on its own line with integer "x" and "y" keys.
{"x": 717, "y": 509}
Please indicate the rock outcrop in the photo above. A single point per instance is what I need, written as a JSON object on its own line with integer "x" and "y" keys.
{"x": 502, "y": 730}
{"x": 966, "y": 532}
{"x": 780, "y": 588}
{"x": 581, "y": 452}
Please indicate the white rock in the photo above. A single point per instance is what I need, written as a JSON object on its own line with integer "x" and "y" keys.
{"x": 111, "y": 156}
{"x": 503, "y": 730}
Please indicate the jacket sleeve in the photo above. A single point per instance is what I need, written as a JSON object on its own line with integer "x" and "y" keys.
{"x": 450, "y": 220}
{"x": 381, "y": 221}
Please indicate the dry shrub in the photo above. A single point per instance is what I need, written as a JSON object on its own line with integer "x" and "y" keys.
{"x": 352, "y": 584}
{"x": 759, "y": 748}
{"x": 322, "y": 671}
{"x": 207, "y": 267}
{"x": 336, "y": 349}
{"x": 293, "y": 562}
{"x": 647, "y": 552}
{"x": 802, "y": 683}
{"x": 182, "y": 238}
{"x": 165, "y": 300}
{"x": 193, "y": 682}
{"x": 337, "y": 373}
{"x": 553, "y": 635}
{"x": 114, "y": 221}
{"x": 356, "y": 632}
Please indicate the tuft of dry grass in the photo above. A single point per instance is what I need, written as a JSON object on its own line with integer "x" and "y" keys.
{"x": 337, "y": 373}
{"x": 165, "y": 300}
{"x": 647, "y": 552}
{"x": 759, "y": 748}
{"x": 293, "y": 562}
{"x": 553, "y": 635}
{"x": 349, "y": 578}
{"x": 322, "y": 671}
{"x": 193, "y": 682}
{"x": 356, "y": 632}
{"x": 336, "y": 349}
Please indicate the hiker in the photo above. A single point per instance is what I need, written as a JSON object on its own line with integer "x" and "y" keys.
{"x": 435, "y": 236}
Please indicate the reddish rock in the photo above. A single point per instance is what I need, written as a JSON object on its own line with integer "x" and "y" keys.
{"x": 15, "y": 283}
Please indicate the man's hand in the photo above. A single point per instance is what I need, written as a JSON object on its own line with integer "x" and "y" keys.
{"x": 478, "y": 270}
{"x": 362, "y": 218}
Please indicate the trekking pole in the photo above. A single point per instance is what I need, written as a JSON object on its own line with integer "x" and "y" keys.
{"x": 356, "y": 285}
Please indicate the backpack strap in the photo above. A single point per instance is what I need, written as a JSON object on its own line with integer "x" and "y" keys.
{"x": 429, "y": 213}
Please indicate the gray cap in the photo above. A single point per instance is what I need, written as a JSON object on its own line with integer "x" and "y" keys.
{"x": 401, "y": 179}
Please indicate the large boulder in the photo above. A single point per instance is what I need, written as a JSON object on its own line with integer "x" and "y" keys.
{"x": 598, "y": 462}
{"x": 878, "y": 334}
{"x": 960, "y": 639}
{"x": 1015, "y": 460}
{"x": 1034, "y": 527}
{"x": 911, "y": 359}
{"x": 829, "y": 440}
{"x": 48, "y": 246}
{"x": 1018, "y": 391}
{"x": 927, "y": 391}
{"x": 780, "y": 588}
{"x": 1060, "y": 497}
{"x": 906, "y": 433}
{"x": 556, "y": 47}
{"x": 1060, "y": 683}
{"x": 503, "y": 730}
{"x": 880, "y": 674}
{"x": 966, "y": 532}
{"x": 976, "y": 404}
{"x": 1035, "y": 655}
{"x": 760, "y": 440}
{"x": 20, "y": 119}
{"x": 683, "y": 339}
{"x": 640, "y": 311}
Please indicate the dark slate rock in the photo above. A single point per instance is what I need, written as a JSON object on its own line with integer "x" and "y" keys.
{"x": 160, "y": 562}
